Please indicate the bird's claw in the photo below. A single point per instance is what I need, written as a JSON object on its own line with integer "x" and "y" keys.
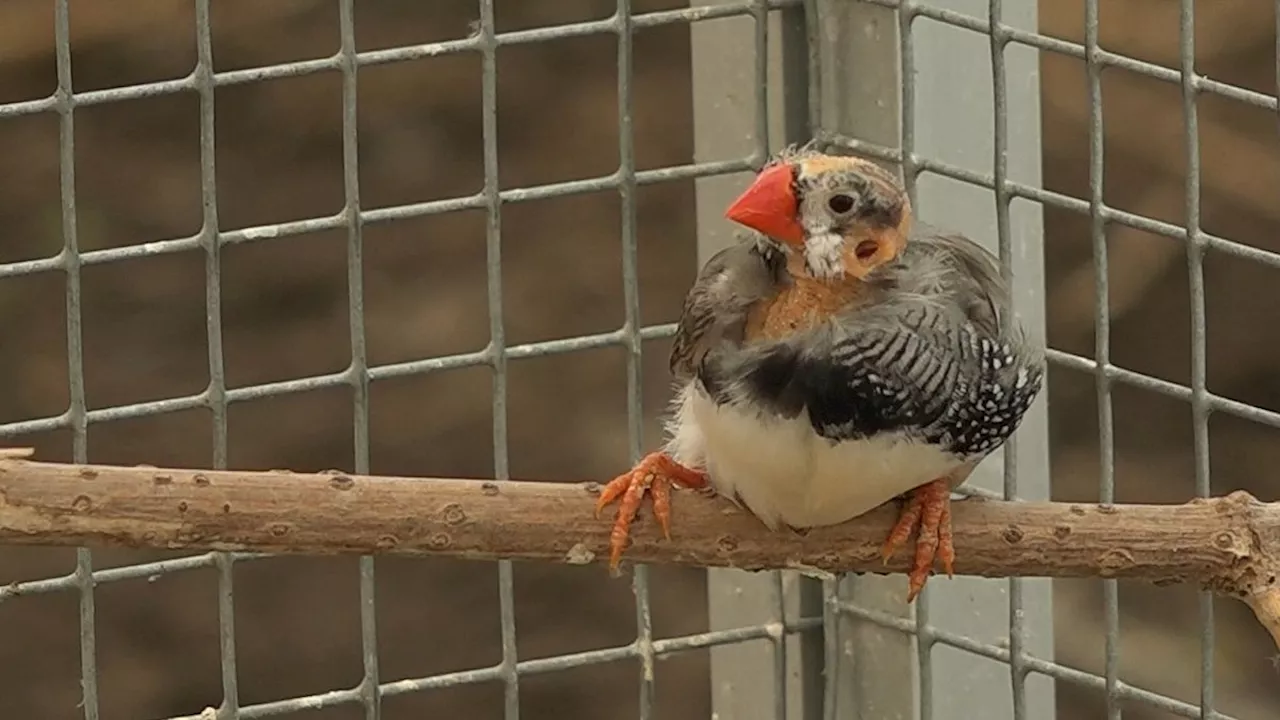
{"x": 929, "y": 509}
{"x": 655, "y": 474}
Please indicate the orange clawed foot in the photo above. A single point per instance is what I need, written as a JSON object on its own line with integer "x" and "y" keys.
{"x": 655, "y": 473}
{"x": 928, "y": 508}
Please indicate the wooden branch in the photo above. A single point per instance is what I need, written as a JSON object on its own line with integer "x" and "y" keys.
{"x": 1229, "y": 544}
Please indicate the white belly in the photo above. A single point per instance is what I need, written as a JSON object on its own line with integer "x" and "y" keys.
{"x": 784, "y": 472}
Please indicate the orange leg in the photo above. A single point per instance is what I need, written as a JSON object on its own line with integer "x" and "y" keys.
{"x": 928, "y": 508}
{"x": 655, "y": 473}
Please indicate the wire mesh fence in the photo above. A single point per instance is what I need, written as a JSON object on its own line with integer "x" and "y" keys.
{"x": 861, "y": 76}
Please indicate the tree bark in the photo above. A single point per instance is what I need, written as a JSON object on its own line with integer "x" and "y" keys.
{"x": 1229, "y": 544}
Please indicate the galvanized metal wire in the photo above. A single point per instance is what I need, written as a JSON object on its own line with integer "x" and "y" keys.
{"x": 212, "y": 239}
{"x": 1102, "y": 348}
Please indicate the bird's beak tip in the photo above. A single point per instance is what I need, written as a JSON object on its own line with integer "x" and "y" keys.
{"x": 768, "y": 205}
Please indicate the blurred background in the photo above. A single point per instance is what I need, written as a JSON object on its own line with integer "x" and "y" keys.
{"x": 285, "y": 316}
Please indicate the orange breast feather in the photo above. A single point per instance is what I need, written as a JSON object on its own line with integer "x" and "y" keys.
{"x": 799, "y": 306}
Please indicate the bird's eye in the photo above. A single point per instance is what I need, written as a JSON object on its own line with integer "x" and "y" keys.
{"x": 840, "y": 203}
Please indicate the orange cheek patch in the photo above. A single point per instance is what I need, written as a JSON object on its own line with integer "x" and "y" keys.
{"x": 859, "y": 265}
{"x": 866, "y": 249}
{"x": 867, "y": 254}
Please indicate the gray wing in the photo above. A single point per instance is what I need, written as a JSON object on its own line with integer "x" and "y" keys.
{"x": 951, "y": 269}
{"x": 715, "y": 310}
{"x": 929, "y": 357}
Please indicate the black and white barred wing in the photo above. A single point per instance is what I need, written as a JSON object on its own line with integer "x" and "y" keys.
{"x": 912, "y": 367}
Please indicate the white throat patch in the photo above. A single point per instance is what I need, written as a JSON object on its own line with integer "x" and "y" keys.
{"x": 824, "y": 256}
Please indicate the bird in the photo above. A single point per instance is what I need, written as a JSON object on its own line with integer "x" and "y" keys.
{"x": 838, "y": 356}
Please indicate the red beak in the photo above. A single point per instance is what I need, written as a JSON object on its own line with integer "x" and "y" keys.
{"x": 769, "y": 205}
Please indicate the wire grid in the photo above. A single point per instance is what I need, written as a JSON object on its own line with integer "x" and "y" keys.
{"x": 1197, "y": 243}
{"x": 203, "y": 80}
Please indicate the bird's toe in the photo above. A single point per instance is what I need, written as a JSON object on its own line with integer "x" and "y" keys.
{"x": 654, "y": 474}
{"x": 928, "y": 509}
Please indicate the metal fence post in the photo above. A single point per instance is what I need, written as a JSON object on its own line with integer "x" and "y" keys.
{"x": 938, "y": 91}
{"x": 869, "y": 669}
{"x": 967, "y": 114}
{"x": 743, "y": 106}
